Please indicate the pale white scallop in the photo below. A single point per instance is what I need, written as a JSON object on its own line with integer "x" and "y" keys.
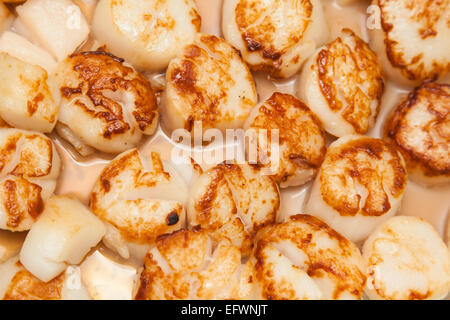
{"x": 286, "y": 139}
{"x": 304, "y": 259}
{"x": 58, "y": 26}
{"x": 104, "y": 102}
{"x": 26, "y": 98}
{"x": 6, "y": 18}
{"x": 29, "y": 168}
{"x": 360, "y": 184}
{"x": 275, "y": 36}
{"x": 208, "y": 82}
{"x": 21, "y": 48}
{"x": 147, "y": 33}
{"x": 192, "y": 265}
{"x": 139, "y": 198}
{"x": 342, "y": 84}
{"x": 233, "y": 201}
{"x": 17, "y": 283}
{"x": 406, "y": 259}
{"x": 64, "y": 233}
{"x": 412, "y": 42}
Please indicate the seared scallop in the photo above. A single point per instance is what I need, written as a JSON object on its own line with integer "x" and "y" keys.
{"x": 139, "y": 198}
{"x": 18, "y": 283}
{"x": 301, "y": 139}
{"x": 233, "y": 201}
{"x": 105, "y": 102}
{"x": 420, "y": 128}
{"x": 26, "y": 99}
{"x": 412, "y": 42}
{"x": 342, "y": 83}
{"x": 193, "y": 265}
{"x": 208, "y": 82}
{"x": 274, "y": 36}
{"x": 304, "y": 259}
{"x": 29, "y": 167}
{"x": 58, "y": 26}
{"x": 406, "y": 259}
{"x": 64, "y": 233}
{"x": 147, "y": 33}
{"x": 360, "y": 184}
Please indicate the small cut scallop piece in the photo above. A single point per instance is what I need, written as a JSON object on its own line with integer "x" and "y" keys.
{"x": 64, "y": 233}
{"x": 26, "y": 100}
{"x": 29, "y": 167}
{"x": 140, "y": 198}
{"x": 233, "y": 201}
{"x": 360, "y": 184}
{"x": 342, "y": 84}
{"x": 147, "y": 33}
{"x": 274, "y": 36}
{"x": 6, "y": 18}
{"x": 208, "y": 82}
{"x": 406, "y": 259}
{"x": 192, "y": 265}
{"x": 412, "y": 42}
{"x": 19, "y": 47}
{"x": 301, "y": 139}
{"x": 17, "y": 283}
{"x": 105, "y": 102}
{"x": 304, "y": 259}
{"x": 58, "y": 26}
{"x": 420, "y": 129}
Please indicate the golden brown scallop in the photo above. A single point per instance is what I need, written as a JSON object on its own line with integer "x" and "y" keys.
{"x": 208, "y": 82}
{"x": 342, "y": 83}
{"x": 412, "y": 42}
{"x": 233, "y": 201}
{"x": 274, "y": 36}
{"x": 139, "y": 198}
{"x": 29, "y": 167}
{"x": 406, "y": 259}
{"x": 192, "y": 265}
{"x": 420, "y": 128}
{"x": 302, "y": 142}
{"x": 304, "y": 258}
{"x": 105, "y": 102}
{"x": 360, "y": 184}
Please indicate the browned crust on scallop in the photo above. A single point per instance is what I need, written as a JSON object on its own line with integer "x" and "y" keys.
{"x": 202, "y": 104}
{"x": 319, "y": 262}
{"x": 355, "y": 105}
{"x": 429, "y": 13}
{"x": 273, "y": 114}
{"x": 25, "y": 286}
{"x": 99, "y": 71}
{"x": 434, "y": 160}
{"x": 365, "y": 173}
{"x": 258, "y": 34}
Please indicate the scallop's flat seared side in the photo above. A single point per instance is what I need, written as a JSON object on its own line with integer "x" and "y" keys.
{"x": 304, "y": 258}
{"x": 420, "y": 128}
{"x": 147, "y": 33}
{"x": 274, "y": 36}
{"x": 343, "y": 84}
{"x": 208, "y": 82}
{"x": 105, "y": 102}
{"x": 412, "y": 42}
{"x": 301, "y": 139}
{"x": 360, "y": 184}
{"x": 233, "y": 201}
{"x": 29, "y": 167}
{"x": 26, "y": 100}
{"x": 406, "y": 259}
{"x": 192, "y": 265}
{"x": 140, "y": 198}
